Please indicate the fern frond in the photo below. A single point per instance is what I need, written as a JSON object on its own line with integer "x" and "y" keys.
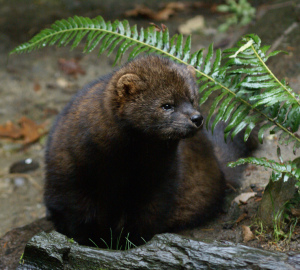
{"x": 289, "y": 169}
{"x": 268, "y": 97}
{"x": 249, "y": 93}
{"x": 280, "y": 170}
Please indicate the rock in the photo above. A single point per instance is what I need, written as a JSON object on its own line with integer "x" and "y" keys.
{"x": 247, "y": 233}
{"x": 244, "y": 197}
{"x": 165, "y": 251}
{"x": 12, "y": 244}
{"x": 275, "y": 196}
{"x": 192, "y": 25}
{"x": 19, "y": 181}
{"x": 23, "y": 166}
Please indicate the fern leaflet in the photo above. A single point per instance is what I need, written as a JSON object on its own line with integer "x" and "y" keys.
{"x": 289, "y": 169}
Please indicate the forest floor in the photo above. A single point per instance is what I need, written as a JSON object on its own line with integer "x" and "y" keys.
{"x": 35, "y": 87}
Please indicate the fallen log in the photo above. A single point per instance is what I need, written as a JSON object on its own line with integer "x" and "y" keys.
{"x": 165, "y": 251}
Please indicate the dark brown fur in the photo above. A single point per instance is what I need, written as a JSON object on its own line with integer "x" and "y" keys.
{"x": 118, "y": 159}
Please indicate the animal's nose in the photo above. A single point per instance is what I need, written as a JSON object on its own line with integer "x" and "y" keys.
{"x": 197, "y": 119}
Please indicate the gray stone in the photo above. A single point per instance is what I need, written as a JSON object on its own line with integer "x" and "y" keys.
{"x": 276, "y": 194}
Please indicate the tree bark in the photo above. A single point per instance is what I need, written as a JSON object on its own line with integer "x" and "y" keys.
{"x": 165, "y": 251}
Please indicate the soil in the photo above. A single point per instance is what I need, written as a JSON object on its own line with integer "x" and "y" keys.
{"x": 33, "y": 85}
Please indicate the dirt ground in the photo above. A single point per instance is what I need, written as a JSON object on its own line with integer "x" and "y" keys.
{"x": 33, "y": 85}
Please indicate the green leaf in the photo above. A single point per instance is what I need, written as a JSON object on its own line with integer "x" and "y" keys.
{"x": 293, "y": 119}
{"x": 275, "y": 53}
{"x": 262, "y": 130}
{"x": 278, "y": 168}
{"x": 159, "y": 43}
{"x": 93, "y": 42}
{"x": 229, "y": 110}
{"x": 207, "y": 93}
{"x": 248, "y": 130}
{"x": 242, "y": 62}
{"x": 254, "y": 37}
{"x": 204, "y": 86}
{"x": 258, "y": 85}
{"x": 238, "y": 129}
{"x": 266, "y": 94}
{"x": 166, "y": 39}
{"x": 250, "y": 71}
{"x": 221, "y": 111}
{"x": 78, "y": 38}
{"x": 279, "y": 154}
{"x": 199, "y": 59}
{"x": 251, "y": 79}
{"x": 213, "y": 107}
{"x": 114, "y": 45}
{"x": 122, "y": 49}
{"x": 207, "y": 64}
{"x": 187, "y": 49}
{"x": 265, "y": 48}
{"x": 108, "y": 40}
{"x": 217, "y": 61}
{"x": 237, "y": 117}
{"x": 179, "y": 46}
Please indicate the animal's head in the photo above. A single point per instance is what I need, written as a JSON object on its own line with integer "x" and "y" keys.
{"x": 158, "y": 97}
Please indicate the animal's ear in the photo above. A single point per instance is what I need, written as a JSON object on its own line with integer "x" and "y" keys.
{"x": 129, "y": 84}
{"x": 192, "y": 70}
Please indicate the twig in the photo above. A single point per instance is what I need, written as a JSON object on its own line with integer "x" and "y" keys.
{"x": 231, "y": 187}
{"x": 285, "y": 33}
{"x": 264, "y": 8}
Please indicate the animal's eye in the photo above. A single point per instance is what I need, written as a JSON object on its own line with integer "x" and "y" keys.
{"x": 167, "y": 107}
